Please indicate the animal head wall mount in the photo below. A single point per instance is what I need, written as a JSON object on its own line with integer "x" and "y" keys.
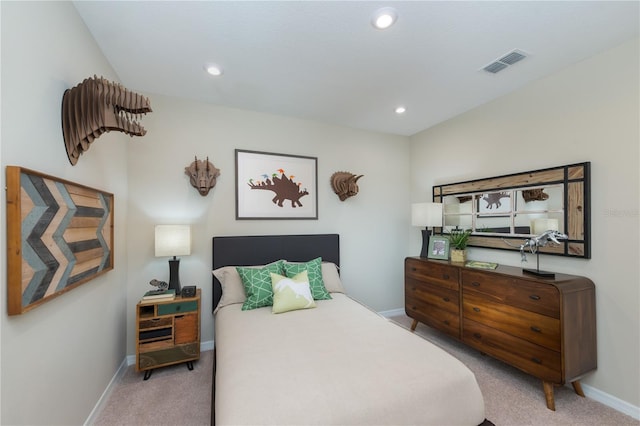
{"x": 345, "y": 184}
{"x": 202, "y": 174}
{"x": 96, "y": 106}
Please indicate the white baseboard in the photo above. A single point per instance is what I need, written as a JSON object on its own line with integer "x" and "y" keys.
{"x": 105, "y": 395}
{"x": 392, "y": 313}
{"x": 611, "y": 401}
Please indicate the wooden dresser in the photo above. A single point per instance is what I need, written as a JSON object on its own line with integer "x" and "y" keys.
{"x": 544, "y": 326}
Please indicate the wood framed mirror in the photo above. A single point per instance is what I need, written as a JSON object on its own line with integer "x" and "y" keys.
{"x": 504, "y": 211}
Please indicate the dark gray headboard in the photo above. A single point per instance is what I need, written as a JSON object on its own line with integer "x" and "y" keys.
{"x": 263, "y": 249}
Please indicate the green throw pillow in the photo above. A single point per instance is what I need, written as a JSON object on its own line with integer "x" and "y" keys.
{"x": 314, "y": 269}
{"x": 290, "y": 294}
{"x": 257, "y": 284}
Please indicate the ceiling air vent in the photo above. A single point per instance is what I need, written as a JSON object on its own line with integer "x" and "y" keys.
{"x": 506, "y": 60}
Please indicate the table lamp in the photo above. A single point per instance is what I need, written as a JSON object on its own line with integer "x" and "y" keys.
{"x": 427, "y": 215}
{"x": 173, "y": 240}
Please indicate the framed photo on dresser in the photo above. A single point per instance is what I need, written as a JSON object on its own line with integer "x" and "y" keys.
{"x": 438, "y": 247}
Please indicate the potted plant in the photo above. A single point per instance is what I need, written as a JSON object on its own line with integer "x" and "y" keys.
{"x": 458, "y": 240}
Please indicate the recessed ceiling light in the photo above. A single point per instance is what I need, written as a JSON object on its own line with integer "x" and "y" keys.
{"x": 401, "y": 110}
{"x": 213, "y": 70}
{"x": 384, "y": 17}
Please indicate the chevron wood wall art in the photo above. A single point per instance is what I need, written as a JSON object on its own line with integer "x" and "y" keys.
{"x": 59, "y": 235}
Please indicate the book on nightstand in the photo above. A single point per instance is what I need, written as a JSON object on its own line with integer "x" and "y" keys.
{"x": 169, "y": 294}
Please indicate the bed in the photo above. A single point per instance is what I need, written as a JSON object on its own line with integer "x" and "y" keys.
{"x": 337, "y": 363}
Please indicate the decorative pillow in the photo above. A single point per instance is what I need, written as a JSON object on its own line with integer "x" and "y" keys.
{"x": 331, "y": 278}
{"x": 232, "y": 288}
{"x": 290, "y": 294}
{"x": 314, "y": 269}
{"x": 257, "y": 284}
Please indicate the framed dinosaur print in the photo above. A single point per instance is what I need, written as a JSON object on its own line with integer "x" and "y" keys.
{"x": 276, "y": 186}
{"x": 59, "y": 235}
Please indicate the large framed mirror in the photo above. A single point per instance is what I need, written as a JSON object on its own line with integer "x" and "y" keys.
{"x": 504, "y": 211}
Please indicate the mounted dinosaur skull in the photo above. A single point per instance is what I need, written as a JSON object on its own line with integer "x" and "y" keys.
{"x": 202, "y": 174}
{"x": 96, "y": 106}
{"x": 345, "y": 184}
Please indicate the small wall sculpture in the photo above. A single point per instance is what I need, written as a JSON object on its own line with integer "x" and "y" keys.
{"x": 345, "y": 184}
{"x": 202, "y": 174}
{"x": 97, "y": 106}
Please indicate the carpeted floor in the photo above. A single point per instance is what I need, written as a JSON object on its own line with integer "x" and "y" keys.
{"x": 175, "y": 396}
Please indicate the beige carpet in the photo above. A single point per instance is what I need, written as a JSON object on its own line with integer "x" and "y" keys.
{"x": 176, "y": 396}
{"x": 172, "y": 396}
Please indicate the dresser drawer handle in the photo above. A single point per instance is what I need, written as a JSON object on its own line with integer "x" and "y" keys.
{"x": 475, "y": 284}
{"x": 413, "y": 269}
{"x": 476, "y": 309}
{"x": 446, "y": 299}
{"x": 536, "y": 360}
{"x": 536, "y": 329}
{"x": 477, "y": 335}
{"x": 445, "y": 276}
{"x": 534, "y": 297}
{"x": 413, "y": 308}
{"x": 446, "y": 322}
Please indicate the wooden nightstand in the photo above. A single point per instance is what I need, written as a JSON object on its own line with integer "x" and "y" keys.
{"x": 167, "y": 333}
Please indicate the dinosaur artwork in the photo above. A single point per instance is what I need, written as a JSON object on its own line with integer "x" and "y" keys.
{"x": 494, "y": 199}
{"x": 284, "y": 187}
{"x": 203, "y": 175}
{"x": 97, "y": 106}
{"x": 345, "y": 184}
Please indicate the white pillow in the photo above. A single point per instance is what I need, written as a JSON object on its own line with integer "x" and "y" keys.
{"x": 331, "y": 278}
{"x": 232, "y": 288}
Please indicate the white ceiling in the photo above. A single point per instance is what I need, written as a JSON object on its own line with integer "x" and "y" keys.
{"x": 323, "y": 60}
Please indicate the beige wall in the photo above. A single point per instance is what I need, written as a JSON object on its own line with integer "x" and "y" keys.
{"x": 58, "y": 358}
{"x": 588, "y": 112}
{"x": 373, "y": 226}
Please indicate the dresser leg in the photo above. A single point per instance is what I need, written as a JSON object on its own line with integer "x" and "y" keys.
{"x": 414, "y": 324}
{"x": 548, "y": 394}
{"x": 578, "y": 388}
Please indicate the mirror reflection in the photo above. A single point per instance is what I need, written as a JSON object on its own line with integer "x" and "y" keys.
{"x": 518, "y": 211}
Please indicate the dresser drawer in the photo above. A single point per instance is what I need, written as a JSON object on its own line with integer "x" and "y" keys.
{"x": 433, "y": 294}
{"x": 435, "y": 317}
{"x": 178, "y": 307}
{"x": 531, "y": 326}
{"x": 528, "y": 357}
{"x": 435, "y": 273}
{"x": 529, "y": 295}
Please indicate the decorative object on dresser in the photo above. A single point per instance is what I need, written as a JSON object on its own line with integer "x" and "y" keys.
{"x": 459, "y": 238}
{"x": 438, "y": 247}
{"x": 202, "y": 175}
{"x": 173, "y": 240}
{"x": 544, "y": 327}
{"x": 345, "y": 184}
{"x": 503, "y": 211}
{"x": 534, "y": 245}
{"x": 59, "y": 236}
{"x": 96, "y": 106}
{"x": 427, "y": 215}
{"x": 167, "y": 333}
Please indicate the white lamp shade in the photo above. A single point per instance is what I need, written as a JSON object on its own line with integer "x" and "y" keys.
{"x": 426, "y": 214}
{"x": 173, "y": 240}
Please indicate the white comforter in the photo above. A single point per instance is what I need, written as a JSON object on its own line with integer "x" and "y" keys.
{"x": 339, "y": 363}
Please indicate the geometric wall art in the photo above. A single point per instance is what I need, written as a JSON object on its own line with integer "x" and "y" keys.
{"x": 59, "y": 236}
